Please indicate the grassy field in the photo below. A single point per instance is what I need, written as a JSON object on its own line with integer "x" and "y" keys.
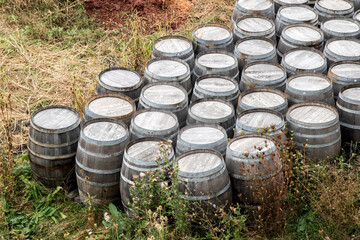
{"x": 51, "y": 53}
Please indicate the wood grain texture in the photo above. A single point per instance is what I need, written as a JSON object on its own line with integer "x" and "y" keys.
{"x": 214, "y": 84}
{"x": 104, "y": 131}
{"x": 346, "y": 70}
{"x": 216, "y": 60}
{"x": 199, "y": 162}
{"x": 297, "y": 13}
{"x": 352, "y": 93}
{"x": 172, "y": 45}
{"x": 146, "y": 151}
{"x": 251, "y": 145}
{"x": 255, "y": 47}
{"x": 111, "y": 107}
{"x": 344, "y": 25}
{"x": 211, "y": 109}
{"x": 345, "y": 47}
{"x": 120, "y": 78}
{"x": 164, "y": 94}
{"x": 167, "y": 68}
{"x": 304, "y": 59}
{"x": 255, "y": 24}
{"x": 155, "y": 120}
{"x": 335, "y": 5}
{"x": 303, "y": 33}
{"x": 212, "y": 33}
{"x": 263, "y": 99}
{"x": 260, "y": 119}
{"x": 309, "y": 83}
{"x": 55, "y": 118}
{"x": 313, "y": 114}
{"x": 201, "y": 135}
{"x": 264, "y": 72}
{"x": 255, "y": 4}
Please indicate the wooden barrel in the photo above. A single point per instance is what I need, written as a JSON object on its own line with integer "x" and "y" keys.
{"x": 280, "y": 3}
{"x": 263, "y": 75}
{"x": 340, "y": 27}
{"x": 213, "y": 111}
{"x": 204, "y": 180}
{"x": 120, "y": 80}
{"x": 175, "y": 47}
{"x": 201, "y": 136}
{"x": 53, "y": 138}
{"x": 334, "y": 8}
{"x": 357, "y": 16}
{"x": 212, "y": 36}
{"x": 301, "y": 60}
{"x": 216, "y": 86}
{"x": 216, "y": 62}
{"x": 98, "y": 160}
{"x": 140, "y": 157}
{"x": 171, "y": 70}
{"x": 110, "y": 105}
{"x": 316, "y": 125}
{"x": 348, "y": 106}
{"x": 309, "y": 87}
{"x": 154, "y": 123}
{"x": 342, "y": 49}
{"x": 300, "y": 35}
{"x": 262, "y": 98}
{"x": 255, "y": 49}
{"x": 344, "y": 73}
{"x": 166, "y": 96}
{"x": 254, "y": 26}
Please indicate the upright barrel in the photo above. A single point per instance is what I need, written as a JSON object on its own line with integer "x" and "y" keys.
{"x": 53, "y": 138}
{"x": 316, "y": 127}
{"x": 166, "y": 96}
{"x": 201, "y": 136}
{"x": 120, "y": 80}
{"x": 280, "y": 3}
{"x": 99, "y": 158}
{"x": 357, "y": 16}
{"x": 342, "y": 49}
{"x": 340, "y": 27}
{"x": 110, "y": 105}
{"x": 309, "y": 87}
{"x": 334, "y": 8}
{"x": 263, "y": 75}
{"x": 344, "y": 73}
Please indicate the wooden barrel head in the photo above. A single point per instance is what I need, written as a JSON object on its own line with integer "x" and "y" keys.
{"x": 167, "y": 68}
{"x": 145, "y": 151}
{"x": 120, "y": 78}
{"x": 357, "y": 16}
{"x": 55, "y": 118}
{"x": 344, "y": 47}
{"x": 202, "y": 135}
{"x": 164, "y": 94}
{"x": 255, "y": 47}
{"x": 345, "y": 70}
{"x": 251, "y": 144}
{"x": 312, "y": 114}
{"x": 289, "y": 2}
{"x": 172, "y": 44}
{"x": 340, "y": 25}
{"x": 104, "y": 131}
{"x": 255, "y": 24}
{"x": 199, "y": 161}
{"x": 304, "y": 59}
{"x": 262, "y": 99}
{"x": 298, "y": 13}
{"x": 216, "y": 84}
{"x": 111, "y": 106}
{"x": 264, "y": 71}
{"x": 308, "y": 82}
{"x": 260, "y": 119}
{"x": 352, "y": 93}
{"x": 335, "y": 5}
{"x": 155, "y": 120}
{"x": 216, "y": 60}
{"x": 211, "y": 32}
{"x": 302, "y": 33}
{"x": 211, "y": 109}
{"x": 255, "y": 5}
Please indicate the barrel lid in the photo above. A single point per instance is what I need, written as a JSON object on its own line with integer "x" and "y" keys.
{"x": 202, "y": 134}
{"x": 304, "y": 58}
{"x": 298, "y": 13}
{"x": 352, "y": 93}
{"x": 199, "y": 161}
{"x": 262, "y": 98}
{"x": 251, "y": 144}
{"x": 335, "y": 5}
{"x": 172, "y": 44}
{"x": 209, "y": 108}
{"x": 264, "y": 71}
{"x": 111, "y": 105}
{"x": 155, "y": 120}
{"x": 216, "y": 60}
{"x": 251, "y": 23}
{"x": 345, "y": 69}
{"x": 344, "y": 47}
{"x": 309, "y": 82}
{"x": 357, "y": 15}
{"x": 144, "y": 150}
{"x": 340, "y": 25}
{"x": 255, "y": 46}
{"x": 302, "y": 33}
{"x": 120, "y": 78}
{"x": 164, "y": 93}
{"x": 312, "y": 113}
{"x": 212, "y": 32}
{"x": 289, "y": 2}
{"x": 255, "y": 4}
{"x": 104, "y": 130}
{"x": 260, "y": 118}
{"x": 213, "y": 83}
{"x": 167, "y": 67}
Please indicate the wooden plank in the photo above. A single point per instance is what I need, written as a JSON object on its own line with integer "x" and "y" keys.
{"x": 212, "y": 33}
{"x": 335, "y": 5}
{"x": 262, "y": 99}
{"x": 251, "y": 145}
{"x": 172, "y": 45}
{"x": 255, "y": 4}
{"x": 341, "y": 25}
{"x": 309, "y": 83}
{"x": 347, "y": 70}
{"x": 214, "y": 84}
{"x": 211, "y": 109}
{"x": 216, "y": 60}
{"x": 255, "y": 24}
{"x": 201, "y": 135}
{"x": 120, "y": 78}
{"x": 111, "y": 106}
{"x": 260, "y": 119}
{"x": 352, "y": 93}
{"x": 167, "y": 68}
{"x": 255, "y": 47}
{"x": 199, "y": 162}
{"x": 164, "y": 94}
{"x": 312, "y": 114}
{"x": 145, "y": 151}
{"x": 264, "y": 72}
{"x": 156, "y": 121}
{"x": 104, "y": 131}
{"x": 55, "y": 118}
{"x": 304, "y": 59}
{"x": 303, "y": 33}
{"x": 345, "y": 47}
{"x": 297, "y": 13}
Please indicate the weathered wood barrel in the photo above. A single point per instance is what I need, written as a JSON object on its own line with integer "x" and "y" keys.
{"x": 344, "y": 73}
{"x": 213, "y": 111}
{"x": 290, "y": 14}
{"x": 348, "y": 106}
{"x": 254, "y": 7}
{"x": 262, "y": 98}
{"x": 300, "y": 35}
{"x": 53, "y": 138}
{"x": 263, "y": 75}
{"x": 342, "y": 49}
{"x": 166, "y": 96}
{"x": 255, "y": 49}
{"x": 201, "y": 136}
{"x": 110, "y": 105}
{"x": 212, "y": 36}
{"x": 204, "y": 180}
{"x": 120, "y": 80}
{"x": 140, "y": 157}
{"x": 171, "y": 70}
{"x": 216, "y": 62}
{"x": 154, "y": 123}
{"x": 254, "y": 26}
{"x": 309, "y": 87}
{"x": 301, "y": 60}
{"x": 316, "y": 126}
{"x": 280, "y": 3}
{"x": 216, "y": 86}
{"x": 175, "y": 47}
{"x": 98, "y": 160}
{"x": 334, "y": 8}
{"x": 357, "y": 16}
{"x": 340, "y": 27}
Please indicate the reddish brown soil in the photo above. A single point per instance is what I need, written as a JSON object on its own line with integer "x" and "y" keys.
{"x": 114, "y": 13}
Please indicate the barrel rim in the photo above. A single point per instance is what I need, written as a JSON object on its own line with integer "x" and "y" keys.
{"x": 270, "y": 31}
{"x": 215, "y": 43}
{"x": 341, "y": 96}
{"x": 355, "y": 14}
{"x": 333, "y": 76}
{"x": 153, "y": 76}
{"x": 272, "y": 52}
{"x": 216, "y": 51}
{"x": 272, "y": 7}
{"x": 284, "y": 3}
{"x": 272, "y": 90}
{"x": 220, "y": 94}
{"x": 293, "y": 21}
{"x": 314, "y": 74}
{"x": 184, "y": 52}
{"x": 322, "y": 9}
{"x": 250, "y": 64}
{"x": 322, "y": 26}
{"x": 125, "y": 89}
{"x": 337, "y": 56}
{"x": 299, "y": 42}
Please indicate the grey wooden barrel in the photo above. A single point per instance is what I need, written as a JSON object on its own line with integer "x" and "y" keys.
{"x": 165, "y": 69}
{"x": 255, "y": 169}
{"x": 316, "y": 125}
{"x": 254, "y": 7}
{"x": 255, "y": 49}
{"x": 342, "y": 49}
{"x": 263, "y": 75}
{"x": 262, "y": 98}
{"x": 254, "y": 26}
{"x": 348, "y": 106}
{"x": 154, "y": 123}
{"x": 212, "y": 36}
{"x": 300, "y": 35}
{"x": 110, "y": 105}
{"x": 340, "y": 27}
{"x": 204, "y": 180}
{"x": 98, "y": 159}
{"x": 344, "y": 73}
{"x": 280, "y": 3}
{"x": 290, "y": 14}
{"x": 120, "y": 80}
{"x": 334, "y": 8}
{"x": 357, "y": 16}
{"x": 166, "y": 96}
{"x": 201, "y": 136}
{"x": 216, "y": 86}
{"x": 216, "y": 62}
{"x": 309, "y": 87}
{"x": 213, "y": 111}
{"x": 176, "y": 47}
{"x": 140, "y": 157}
{"x": 301, "y": 60}
{"x": 53, "y": 137}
